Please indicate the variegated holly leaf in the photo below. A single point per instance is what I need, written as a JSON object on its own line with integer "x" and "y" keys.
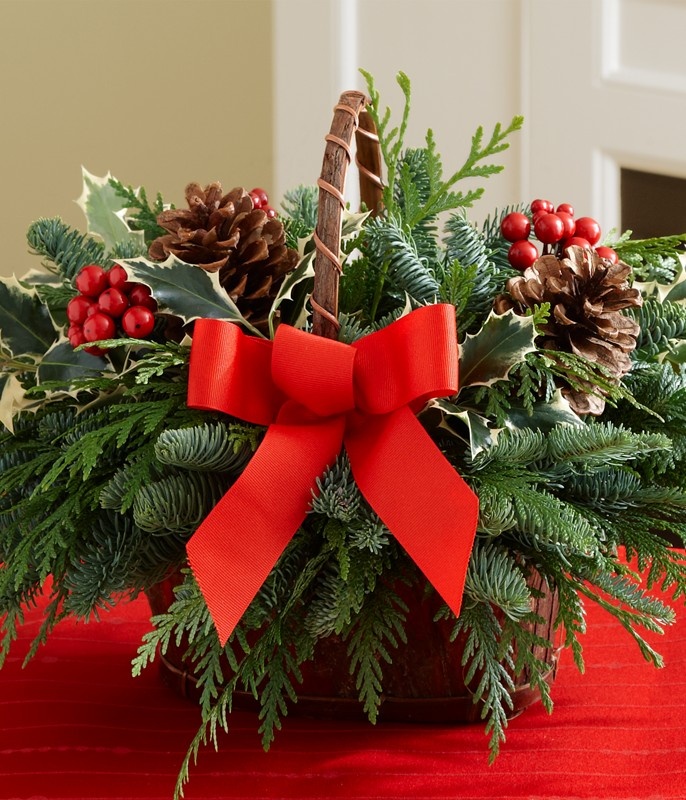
{"x": 489, "y": 355}
{"x": 26, "y": 326}
{"x": 303, "y": 272}
{"x": 479, "y": 435}
{"x": 674, "y": 292}
{"x": 64, "y": 364}
{"x": 186, "y": 290}
{"x": 12, "y": 400}
{"x": 105, "y": 211}
{"x": 544, "y": 416}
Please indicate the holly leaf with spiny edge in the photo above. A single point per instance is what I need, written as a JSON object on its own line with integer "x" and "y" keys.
{"x": 105, "y": 211}
{"x": 489, "y": 355}
{"x": 62, "y": 364}
{"x": 186, "y": 290}
{"x": 26, "y": 326}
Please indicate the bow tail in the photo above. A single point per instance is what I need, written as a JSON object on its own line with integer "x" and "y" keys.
{"x": 239, "y": 542}
{"x": 418, "y": 495}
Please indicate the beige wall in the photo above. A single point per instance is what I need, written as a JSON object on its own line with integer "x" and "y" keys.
{"x": 159, "y": 92}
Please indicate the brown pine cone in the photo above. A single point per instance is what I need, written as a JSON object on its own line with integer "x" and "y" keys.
{"x": 587, "y": 295}
{"x": 224, "y": 233}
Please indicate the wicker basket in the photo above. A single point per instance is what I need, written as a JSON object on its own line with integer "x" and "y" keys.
{"x": 425, "y": 682}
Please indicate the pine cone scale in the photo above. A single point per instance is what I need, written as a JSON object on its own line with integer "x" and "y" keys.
{"x": 587, "y": 296}
{"x": 224, "y": 233}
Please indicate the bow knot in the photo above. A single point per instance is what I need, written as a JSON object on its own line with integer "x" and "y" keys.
{"x": 315, "y": 372}
{"x": 316, "y": 395}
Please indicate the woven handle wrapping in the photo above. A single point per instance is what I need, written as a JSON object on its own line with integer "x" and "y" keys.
{"x": 349, "y": 117}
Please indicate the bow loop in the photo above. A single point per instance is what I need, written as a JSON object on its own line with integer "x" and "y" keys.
{"x": 315, "y": 372}
{"x": 408, "y": 362}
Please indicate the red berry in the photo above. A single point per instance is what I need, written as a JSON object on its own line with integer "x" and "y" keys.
{"x": 588, "y": 229}
{"x": 515, "y": 226}
{"x": 568, "y": 222}
{"x": 117, "y": 277}
{"x": 95, "y": 351}
{"x": 92, "y": 280}
{"x": 566, "y": 208}
{"x": 138, "y": 322}
{"x": 576, "y": 241}
{"x": 98, "y": 326}
{"x": 522, "y": 254}
{"x": 608, "y": 254}
{"x": 270, "y": 212}
{"x": 94, "y": 308}
{"x": 78, "y": 308}
{"x": 541, "y": 205}
{"x": 113, "y": 302}
{"x": 75, "y": 335}
{"x": 260, "y": 198}
{"x": 549, "y": 228}
{"x": 140, "y": 296}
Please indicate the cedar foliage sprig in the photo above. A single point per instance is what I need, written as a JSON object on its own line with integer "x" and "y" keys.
{"x": 143, "y": 216}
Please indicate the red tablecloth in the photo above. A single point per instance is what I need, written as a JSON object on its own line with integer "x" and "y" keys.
{"x": 75, "y": 725}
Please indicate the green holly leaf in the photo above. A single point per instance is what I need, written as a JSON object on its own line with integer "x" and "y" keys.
{"x": 479, "y": 435}
{"x": 544, "y": 416}
{"x": 25, "y": 323}
{"x": 64, "y": 364}
{"x": 186, "y": 290}
{"x": 489, "y": 355}
{"x": 105, "y": 211}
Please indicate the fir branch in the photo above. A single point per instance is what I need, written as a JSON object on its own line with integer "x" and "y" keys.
{"x": 209, "y": 447}
{"x": 598, "y": 444}
{"x": 65, "y": 249}
{"x": 493, "y": 576}
{"x": 177, "y": 504}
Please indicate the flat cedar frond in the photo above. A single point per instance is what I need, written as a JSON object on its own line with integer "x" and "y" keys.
{"x": 377, "y": 629}
{"x": 144, "y": 216}
{"x": 483, "y": 656}
{"x": 652, "y": 259}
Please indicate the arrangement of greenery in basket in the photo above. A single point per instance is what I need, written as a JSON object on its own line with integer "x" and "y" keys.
{"x": 198, "y": 385}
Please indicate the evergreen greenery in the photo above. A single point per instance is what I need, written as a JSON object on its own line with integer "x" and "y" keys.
{"x": 108, "y": 473}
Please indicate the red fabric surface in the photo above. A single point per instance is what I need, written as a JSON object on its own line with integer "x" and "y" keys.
{"x": 74, "y": 725}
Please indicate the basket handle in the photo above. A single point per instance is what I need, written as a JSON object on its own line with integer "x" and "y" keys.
{"x": 349, "y": 116}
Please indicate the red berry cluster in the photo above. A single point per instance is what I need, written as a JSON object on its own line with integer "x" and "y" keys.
{"x": 106, "y": 299}
{"x": 554, "y": 228}
{"x": 260, "y": 200}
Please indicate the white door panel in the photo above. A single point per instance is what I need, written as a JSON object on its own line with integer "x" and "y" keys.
{"x": 607, "y": 90}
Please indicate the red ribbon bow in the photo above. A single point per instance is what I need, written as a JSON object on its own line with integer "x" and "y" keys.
{"x": 316, "y": 394}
